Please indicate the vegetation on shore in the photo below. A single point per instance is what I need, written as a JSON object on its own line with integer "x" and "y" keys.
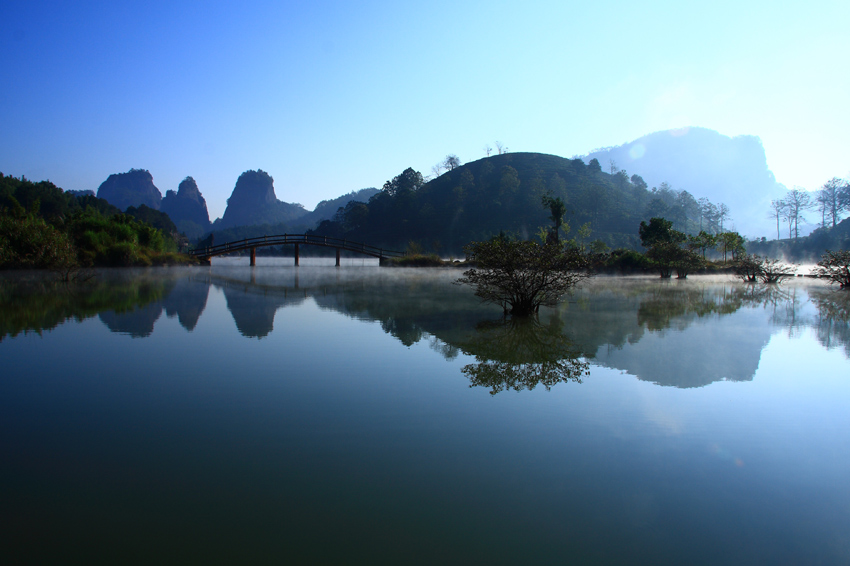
{"x": 41, "y": 227}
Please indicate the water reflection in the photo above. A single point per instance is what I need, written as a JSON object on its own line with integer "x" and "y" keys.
{"x": 253, "y": 306}
{"x": 517, "y": 354}
{"x": 833, "y": 322}
{"x": 682, "y": 334}
{"x": 33, "y": 303}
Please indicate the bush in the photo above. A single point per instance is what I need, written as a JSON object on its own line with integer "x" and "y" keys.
{"x": 835, "y": 266}
{"x": 30, "y": 242}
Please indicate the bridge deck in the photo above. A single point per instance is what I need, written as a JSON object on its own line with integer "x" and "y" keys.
{"x": 298, "y": 239}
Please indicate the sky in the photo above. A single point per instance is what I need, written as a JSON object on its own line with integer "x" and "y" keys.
{"x": 332, "y": 97}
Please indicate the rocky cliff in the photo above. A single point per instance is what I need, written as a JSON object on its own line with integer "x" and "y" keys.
{"x": 187, "y": 209}
{"x": 253, "y": 201}
{"x": 731, "y": 170}
{"x": 133, "y": 188}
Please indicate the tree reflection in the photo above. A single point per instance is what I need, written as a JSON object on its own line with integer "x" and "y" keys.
{"x": 833, "y": 324}
{"x": 520, "y": 354}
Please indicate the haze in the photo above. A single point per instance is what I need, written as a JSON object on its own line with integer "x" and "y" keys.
{"x": 332, "y": 97}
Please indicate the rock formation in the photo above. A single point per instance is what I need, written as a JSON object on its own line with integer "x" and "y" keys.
{"x": 187, "y": 209}
{"x": 133, "y": 188}
{"x": 253, "y": 201}
{"x": 706, "y": 164}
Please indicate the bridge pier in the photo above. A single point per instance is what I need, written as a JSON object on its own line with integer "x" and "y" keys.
{"x": 337, "y": 257}
{"x": 297, "y": 255}
{"x": 253, "y": 257}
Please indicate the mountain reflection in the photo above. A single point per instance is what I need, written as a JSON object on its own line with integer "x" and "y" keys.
{"x": 253, "y": 306}
{"x": 516, "y": 354}
{"x": 680, "y": 334}
{"x": 126, "y": 301}
{"x": 184, "y": 298}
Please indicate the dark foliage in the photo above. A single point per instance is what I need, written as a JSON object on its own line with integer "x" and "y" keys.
{"x": 835, "y": 266}
{"x": 520, "y": 276}
{"x": 62, "y": 232}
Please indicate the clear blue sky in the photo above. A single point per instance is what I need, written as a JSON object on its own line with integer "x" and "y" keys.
{"x": 330, "y": 97}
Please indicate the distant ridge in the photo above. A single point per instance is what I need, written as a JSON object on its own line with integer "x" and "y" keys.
{"x": 706, "y": 163}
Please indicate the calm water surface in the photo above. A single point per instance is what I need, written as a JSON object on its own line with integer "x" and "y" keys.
{"x": 378, "y": 416}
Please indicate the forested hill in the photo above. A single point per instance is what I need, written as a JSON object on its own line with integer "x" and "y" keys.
{"x": 503, "y": 193}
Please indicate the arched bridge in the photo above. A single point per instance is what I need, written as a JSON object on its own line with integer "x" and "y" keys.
{"x": 204, "y": 254}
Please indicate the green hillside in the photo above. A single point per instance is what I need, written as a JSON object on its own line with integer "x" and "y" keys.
{"x": 503, "y": 193}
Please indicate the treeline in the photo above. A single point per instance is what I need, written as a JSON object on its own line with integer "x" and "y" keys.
{"x": 830, "y": 203}
{"x": 502, "y": 193}
{"x": 41, "y": 226}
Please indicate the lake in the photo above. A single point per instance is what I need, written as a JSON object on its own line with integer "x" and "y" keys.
{"x": 367, "y": 415}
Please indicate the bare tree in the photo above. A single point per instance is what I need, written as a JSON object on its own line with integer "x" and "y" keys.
{"x": 488, "y": 150}
{"x": 612, "y": 166}
{"x": 830, "y": 201}
{"x": 777, "y": 210}
{"x": 797, "y": 201}
{"x": 500, "y": 148}
{"x": 722, "y": 214}
{"x": 820, "y": 199}
{"x": 437, "y": 170}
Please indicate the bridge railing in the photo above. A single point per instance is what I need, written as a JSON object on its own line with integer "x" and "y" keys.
{"x": 286, "y": 239}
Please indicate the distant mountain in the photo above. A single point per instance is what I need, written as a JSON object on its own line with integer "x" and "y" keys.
{"x": 253, "y": 201}
{"x": 326, "y": 209}
{"x": 705, "y": 163}
{"x": 187, "y": 209}
{"x": 133, "y": 188}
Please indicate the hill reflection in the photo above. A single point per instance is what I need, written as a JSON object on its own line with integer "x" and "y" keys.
{"x": 681, "y": 334}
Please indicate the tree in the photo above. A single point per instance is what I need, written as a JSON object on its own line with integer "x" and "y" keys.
{"x": 557, "y": 209}
{"x": 500, "y": 148}
{"x": 523, "y": 275}
{"x": 796, "y": 202}
{"x": 451, "y": 162}
{"x": 730, "y": 242}
{"x": 487, "y": 149}
{"x": 659, "y": 231}
{"x": 664, "y": 249}
{"x": 408, "y": 182}
{"x": 722, "y": 214}
{"x": 748, "y": 267}
{"x": 835, "y": 266}
{"x": 639, "y": 190}
{"x": 686, "y": 261}
{"x": 707, "y": 214}
{"x": 777, "y": 211}
{"x": 829, "y": 197}
{"x": 702, "y": 242}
